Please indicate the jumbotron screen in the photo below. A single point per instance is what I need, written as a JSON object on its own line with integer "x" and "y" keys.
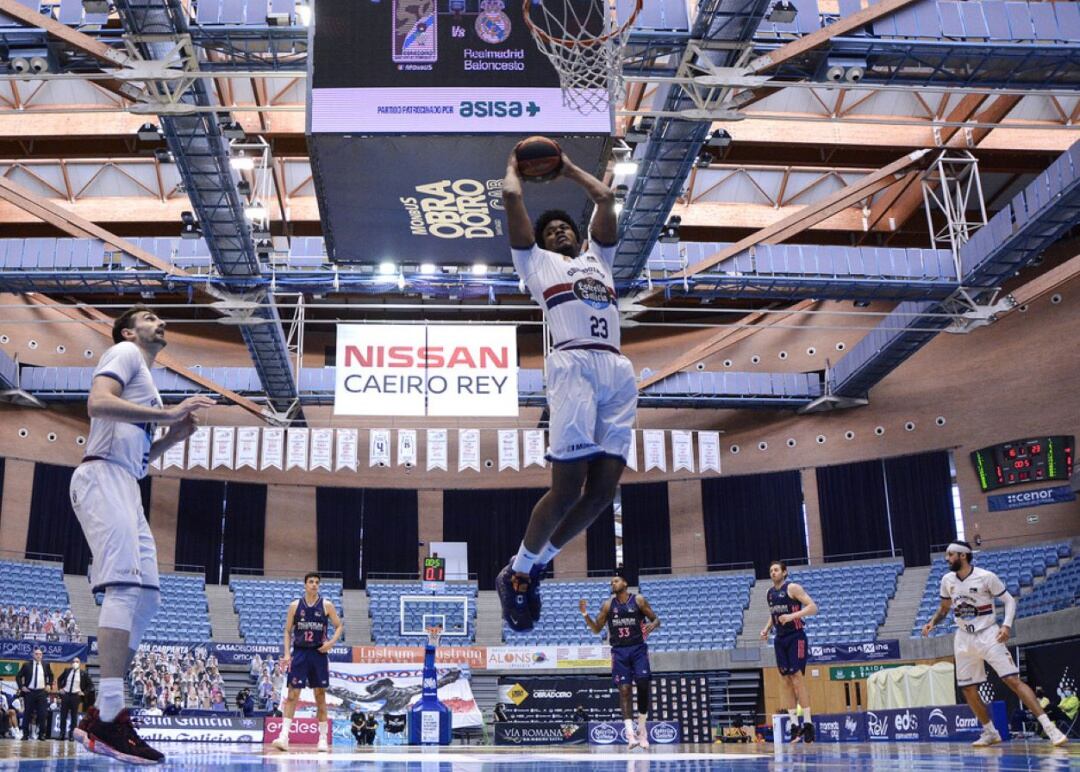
{"x": 434, "y": 66}
{"x": 1024, "y": 461}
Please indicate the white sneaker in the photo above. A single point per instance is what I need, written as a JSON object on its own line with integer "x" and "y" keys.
{"x": 631, "y": 741}
{"x": 281, "y": 744}
{"x": 322, "y": 747}
{"x": 1056, "y": 736}
{"x": 987, "y": 738}
{"x": 644, "y": 741}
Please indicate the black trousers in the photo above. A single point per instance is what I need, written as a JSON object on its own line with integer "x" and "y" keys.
{"x": 36, "y": 704}
{"x": 69, "y": 707}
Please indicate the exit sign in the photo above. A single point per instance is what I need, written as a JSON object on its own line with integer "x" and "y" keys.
{"x": 857, "y": 672}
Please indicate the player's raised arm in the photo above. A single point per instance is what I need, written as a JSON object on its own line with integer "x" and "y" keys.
{"x": 517, "y": 216}
{"x": 339, "y": 629}
{"x": 646, "y": 609}
{"x": 288, "y": 633}
{"x": 596, "y": 625}
{"x": 809, "y": 607}
{"x": 604, "y": 229}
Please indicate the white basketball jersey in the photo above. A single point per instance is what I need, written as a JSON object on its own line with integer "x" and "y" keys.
{"x": 577, "y": 294}
{"x": 973, "y": 598}
{"x": 123, "y": 443}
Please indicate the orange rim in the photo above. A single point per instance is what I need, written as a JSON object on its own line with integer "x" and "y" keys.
{"x": 569, "y": 42}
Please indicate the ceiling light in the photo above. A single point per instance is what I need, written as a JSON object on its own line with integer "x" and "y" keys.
{"x": 242, "y": 163}
{"x": 149, "y": 132}
{"x": 624, "y": 167}
{"x": 782, "y": 13}
{"x": 428, "y": 268}
{"x": 255, "y": 212}
{"x": 479, "y": 269}
{"x": 387, "y": 268}
{"x": 303, "y": 14}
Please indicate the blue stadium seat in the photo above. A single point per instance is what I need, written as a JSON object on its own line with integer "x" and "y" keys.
{"x": 261, "y": 605}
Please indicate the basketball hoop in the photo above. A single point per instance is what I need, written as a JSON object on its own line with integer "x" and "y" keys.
{"x": 584, "y": 41}
{"x": 433, "y": 633}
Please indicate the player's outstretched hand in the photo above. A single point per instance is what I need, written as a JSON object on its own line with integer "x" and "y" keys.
{"x": 926, "y": 630}
{"x": 177, "y": 413}
{"x": 584, "y": 606}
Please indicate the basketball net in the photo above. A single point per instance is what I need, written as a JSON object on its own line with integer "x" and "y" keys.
{"x": 433, "y": 633}
{"x": 584, "y": 41}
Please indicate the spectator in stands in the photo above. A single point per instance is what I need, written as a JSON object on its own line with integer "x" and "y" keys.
{"x": 245, "y": 703}
{"x": 265, "y": 690}
{"x": 218, "y": 703}
{"x": 175, "y": 708}
{"x": 256, "y": 668}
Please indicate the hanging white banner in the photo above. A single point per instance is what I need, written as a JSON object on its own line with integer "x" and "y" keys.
{"x": 436, "y": 449}
{"x": 631, "y": 454}
{"x": 222, "y": 450}
{"x": 655, "y": 452}
{"x": 708, "y": 451}
{"x": 406, "y": 448}
{"x": 174, "y": 456}
{"x": 534, "y": 448}
{"x": 346, "y": 449}
{"x": 273, "y": 447}
{"x": 322, "y": 445}
{"x": 411, "y": 369}
{"x": 508, "y": 449}
{"x": 379, "y": 447}
{"x": 468, "y": 449}
{"x": 156, "y": 463}
{"x": 199, "y": 448}
{"x": 682, "y": 450}
{"x": 296, "y": 448}
{"x": 247, "y": 447}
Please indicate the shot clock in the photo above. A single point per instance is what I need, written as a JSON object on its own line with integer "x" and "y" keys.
{"x": 1024, "y": 461}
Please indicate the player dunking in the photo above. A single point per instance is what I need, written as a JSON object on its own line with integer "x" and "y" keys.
{"x": 309, "y": 662}
{"x": 591, "y": 393}
{"x": 789, "y": 604}
{"x": 971, "y": 592}
{"x": 625, "y": 613}
{"x": 125, "y": 411}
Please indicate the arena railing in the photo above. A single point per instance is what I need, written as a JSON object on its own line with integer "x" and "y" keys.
{"x": 24, "y": 556}
{"x": 872, "y": 556}
{"x": 701, "y": 568}
{"x": 1043, "y": 539}
{"x": 252, "y": 572}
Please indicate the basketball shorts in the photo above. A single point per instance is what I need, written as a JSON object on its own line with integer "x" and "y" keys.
{"x": 108, "y": 504}
{"x": 791, "y": 653}
{"x": 630, "y": 663}
{"x": 592, "y": 399}
{"x": 974, "y": 650}
{"x": 309, "y": 668}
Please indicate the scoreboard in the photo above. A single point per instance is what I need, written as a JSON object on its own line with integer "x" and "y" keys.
{"x": 1023, "y": 461}
{"x": 434, "y": 569}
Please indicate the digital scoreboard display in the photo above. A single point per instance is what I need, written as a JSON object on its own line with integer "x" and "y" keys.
{"x": 434, "y": 569}
{"x": 435, "y": 66}
{"x": 1024, "y": 461}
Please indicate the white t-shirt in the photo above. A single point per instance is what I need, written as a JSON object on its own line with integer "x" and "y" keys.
{"x": 126, "y": 444}
{"x": 973, "y": 598}
{"x": 577, "y": 294}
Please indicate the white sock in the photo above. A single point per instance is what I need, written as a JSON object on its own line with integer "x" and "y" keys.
{"x": 324, "y": 727}
{"x": 110, "y": 700}
{"x": 629, "y": 726}
{"x": 523, "y": 560}
{"x": 1044, "y": 720}
{"x": 989, "y": 726}
{"x": 286, "y": 729}
{"x": 642, "y": 720}
{"x": 547, "y": 554}
{"x": 806, "y": 716}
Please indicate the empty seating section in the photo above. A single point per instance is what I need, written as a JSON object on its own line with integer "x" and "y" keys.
{"x": 560, "y": 620}
{"x": 36, "y": 584}
{"x": 457, "y": 612}
{"x": 697, "y": 612}
{"x": 1061, "y": 590}
{"x": 184, "y": 614}
{"x": 1017, "y": 568}
{"x": 852, "y": 599}
{"x": 263, "y": 603}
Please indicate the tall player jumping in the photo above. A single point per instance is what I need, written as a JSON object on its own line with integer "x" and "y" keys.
{"x": 789, "y": 604}
{"x": 125, "y": 410}
{"x": 971, "y": 592}
{"x": 309, "y": 661}
{"x": 625, "y": 613}
{"x": 591, "y": 392}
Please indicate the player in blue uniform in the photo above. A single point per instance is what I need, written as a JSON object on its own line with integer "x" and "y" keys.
{"x": 789, "y": 604}
{"x": 625, "y": 613}
{"x": 309, "y": 663}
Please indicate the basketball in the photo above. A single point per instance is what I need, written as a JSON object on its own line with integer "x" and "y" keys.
{"x": 539, "y": 159}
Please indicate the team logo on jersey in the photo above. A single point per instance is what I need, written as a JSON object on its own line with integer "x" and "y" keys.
{"x": 592, "y": 292}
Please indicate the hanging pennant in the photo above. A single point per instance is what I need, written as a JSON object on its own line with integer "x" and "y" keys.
{"x": 508, "y": 449}
{"x": 222, "y": 449}
{"x": 156, "y": 463}
{"x": 631, "y": 454}
{"x": 273, "y": 447}
{"x": 296, "y": 448}
{"x": 534, "y": 447}
{"x": 199, "y": 448}
{"x": 247, "y": 447}
{"x": 436, "y": 449}
{"x": 174, "y": 456}
{"x": 708, "y": 451}
{"x": 655, "y": 452}
{"x": 322, "y": 445}
{"x": 406, "y": 448}
{"x": 682, "y": 450}
{"x": 468, "y": 449}
{"x": 346, "y": 449}
{"x": 379, "y": 447}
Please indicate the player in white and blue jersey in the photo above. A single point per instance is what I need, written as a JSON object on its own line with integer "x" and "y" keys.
{"x": 591, "y": 390}
{"x": 125, "y": 411}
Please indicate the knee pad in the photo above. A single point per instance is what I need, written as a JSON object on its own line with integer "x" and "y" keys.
{"x": 118, "y": 608}
{"x": 145, "y": 610}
